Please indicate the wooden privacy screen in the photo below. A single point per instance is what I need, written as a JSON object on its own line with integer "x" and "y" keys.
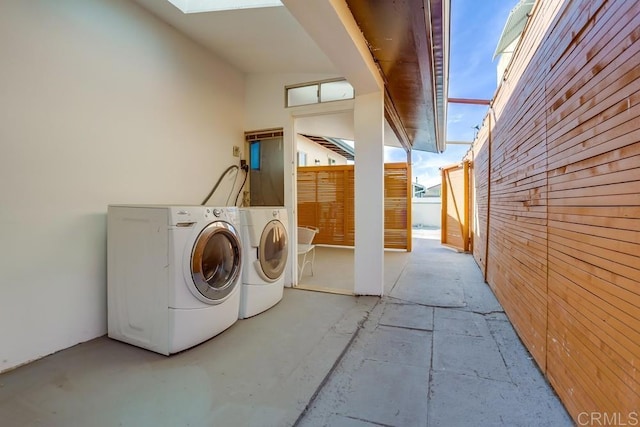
{"x": 326, "y": 200}
{"x": 557, "y": 201}
{"x": 397, "y": 206}
{"x": 455, "y": 207}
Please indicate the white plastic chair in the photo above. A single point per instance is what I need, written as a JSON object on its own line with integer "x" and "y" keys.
{"x": 306, "y": 247}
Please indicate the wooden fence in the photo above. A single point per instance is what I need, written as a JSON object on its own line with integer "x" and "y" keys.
{"x": 556, "y": 213}
{"x": 326, "y": 200}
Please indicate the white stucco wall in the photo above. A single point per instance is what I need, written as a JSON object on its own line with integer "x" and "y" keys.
{"x": 101, "y": 103}
{"x": 315, "y": 152}
{"x": 336, "y": 125}
{"x": 426, "y": 212}
{"x": 369, "y": 194}
{"x": 265, "y": 98}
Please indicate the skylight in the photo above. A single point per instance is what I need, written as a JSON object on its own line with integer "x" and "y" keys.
{"x": 197, "y": 6}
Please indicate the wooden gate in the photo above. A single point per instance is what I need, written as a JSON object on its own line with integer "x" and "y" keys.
{"x": 455, "y": 207}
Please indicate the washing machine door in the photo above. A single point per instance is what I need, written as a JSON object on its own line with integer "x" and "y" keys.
{"x": 273, "y": 251}
{"x": 215, "y": 261}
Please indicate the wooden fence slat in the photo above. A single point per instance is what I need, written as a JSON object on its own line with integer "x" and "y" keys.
{"x": 556, "y": 199}
{"x": 326, "y": 200}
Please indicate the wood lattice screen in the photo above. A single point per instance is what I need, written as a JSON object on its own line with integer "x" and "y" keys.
{"x": 326, "y": 201}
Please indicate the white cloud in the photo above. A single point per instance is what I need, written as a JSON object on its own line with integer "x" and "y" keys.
{"x": 426, "y": 166}
{"x": 394, "y": 154}
{"x": 455, "y": 118}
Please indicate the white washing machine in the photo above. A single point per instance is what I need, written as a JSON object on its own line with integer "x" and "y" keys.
{"x": 174, "y": 274}
{"x": 265, "y": 242}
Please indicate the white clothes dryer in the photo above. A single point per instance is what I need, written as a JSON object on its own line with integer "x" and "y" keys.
{"x": 174, "y": 274}
{"x": 265, "y": 242}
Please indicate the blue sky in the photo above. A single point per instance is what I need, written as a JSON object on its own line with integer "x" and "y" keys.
{"x": 476, "y": 26}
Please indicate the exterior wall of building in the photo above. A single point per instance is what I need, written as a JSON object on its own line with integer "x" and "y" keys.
{"x": 425, "y": 212}
{"x": 556, "y": 217}
{"x": 317, "y": 155}
{"x": 101, "y": 103}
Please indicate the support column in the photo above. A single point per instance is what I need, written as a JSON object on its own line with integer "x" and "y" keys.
{"x": 369, "y": 194}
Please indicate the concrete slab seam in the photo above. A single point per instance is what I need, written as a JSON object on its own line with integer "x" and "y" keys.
{"x": 407, "y": 302}
{"x": 346, "y": 348}
{"x": 551, "y": 389}
{"x": 409, "y": 328}
{"x": 487, "y": 313}
{"x": 367, "y": 421}
{"x": 400, "y": 276}
{"x": 529, "y": 355}
{"x": 430, "y": 383}
{"x": 500, "y": 351}
{"x": 477, "y": 376}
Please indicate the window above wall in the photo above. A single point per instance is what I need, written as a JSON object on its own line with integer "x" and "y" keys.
{"x": 318, "y": 92}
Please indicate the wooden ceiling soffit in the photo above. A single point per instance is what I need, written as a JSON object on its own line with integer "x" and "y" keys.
{"x": 399, "y": 34}
{"x": 392, "y": 117}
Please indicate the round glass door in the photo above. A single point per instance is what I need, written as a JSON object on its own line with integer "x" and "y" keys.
{"x": 273, "y": 250}
{"x": 215, "y": 261}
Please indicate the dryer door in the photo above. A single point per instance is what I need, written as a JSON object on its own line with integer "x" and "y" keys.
{"x": 215, "y": 261}
{"x": 273, "y": 250}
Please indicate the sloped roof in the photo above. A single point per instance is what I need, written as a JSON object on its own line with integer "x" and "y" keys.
{"x": 333, "y": 144}
{"x": 515, "y": 24}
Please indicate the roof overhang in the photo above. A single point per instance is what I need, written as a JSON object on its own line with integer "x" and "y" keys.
{"x": 514, "y": 26}
{"x": 409, "y": 41}
{"x": 400, "y": 47}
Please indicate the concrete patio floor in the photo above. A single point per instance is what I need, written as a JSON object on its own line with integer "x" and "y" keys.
{"x": 333, "y": 270}
{"x": 437, "y": 351}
